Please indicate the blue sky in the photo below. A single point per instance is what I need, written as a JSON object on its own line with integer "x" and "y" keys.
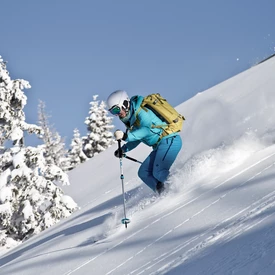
{"x": 72, "y": 50}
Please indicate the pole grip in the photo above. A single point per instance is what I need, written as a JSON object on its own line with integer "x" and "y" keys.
{"x": 119, "y": 149}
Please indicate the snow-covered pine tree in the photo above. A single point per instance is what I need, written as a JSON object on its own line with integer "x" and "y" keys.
{"x": 99, "y": 137}
{"x": 76, "y": 154}
{"x": 54, "y": 145}
{"x": 13, "y": 100}
{"x": 106, "y": 126}
{"x": 30, "y": 200}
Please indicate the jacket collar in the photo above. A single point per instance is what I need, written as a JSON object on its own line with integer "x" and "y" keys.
{"x": 135, "y": 103}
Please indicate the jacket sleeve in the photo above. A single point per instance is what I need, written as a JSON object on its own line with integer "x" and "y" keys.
{"x": 130, "y": 145}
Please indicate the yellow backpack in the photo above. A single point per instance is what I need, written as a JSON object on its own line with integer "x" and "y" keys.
{"x": 161, "y": 108}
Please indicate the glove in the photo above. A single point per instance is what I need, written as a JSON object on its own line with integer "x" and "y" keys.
{"x": 119, "y": 135}
{"x": 116, "y": 153}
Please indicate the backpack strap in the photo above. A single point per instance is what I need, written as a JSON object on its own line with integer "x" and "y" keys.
{"x": 137, "y": 122}
{"x": 163, "y": 126}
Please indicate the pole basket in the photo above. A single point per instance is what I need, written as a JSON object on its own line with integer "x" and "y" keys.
{"x": 125, "y": 221}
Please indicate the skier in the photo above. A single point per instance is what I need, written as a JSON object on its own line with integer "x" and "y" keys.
{"x": 155, "y": 168}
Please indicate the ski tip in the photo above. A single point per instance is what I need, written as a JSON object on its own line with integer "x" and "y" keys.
{"x": 125, "y": 221}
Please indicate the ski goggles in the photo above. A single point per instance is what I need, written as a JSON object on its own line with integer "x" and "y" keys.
{"x": 115, "y": 110}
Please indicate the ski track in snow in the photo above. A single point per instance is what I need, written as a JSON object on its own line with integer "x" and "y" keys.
{"x": 227, "y": 233}
{"x": 103, "y": 195}
{"x": 215, "y": 237}
{"x": 235, "y": 228}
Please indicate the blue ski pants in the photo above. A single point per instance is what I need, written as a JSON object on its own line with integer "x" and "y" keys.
{"x": 156, "y": 166}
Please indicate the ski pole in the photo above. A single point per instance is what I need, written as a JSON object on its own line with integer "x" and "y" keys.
{"x": 135, "y": 160}
{"x": 124, "y": 220}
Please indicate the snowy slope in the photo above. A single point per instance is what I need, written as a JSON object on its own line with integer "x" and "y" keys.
{"x": 218, "y": 217}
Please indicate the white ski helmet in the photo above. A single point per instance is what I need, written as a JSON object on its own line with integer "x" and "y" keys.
{"x": 118, "y": 98}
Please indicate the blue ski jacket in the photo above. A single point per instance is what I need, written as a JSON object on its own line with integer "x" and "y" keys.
{"x": 140, "y": 126}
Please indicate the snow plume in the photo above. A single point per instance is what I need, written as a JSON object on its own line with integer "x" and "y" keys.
{"x": 214, "y": 161}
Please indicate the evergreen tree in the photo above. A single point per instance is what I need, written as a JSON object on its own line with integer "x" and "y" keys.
{"x": 76, "y": 154}
{"x": 13, "y": 100}
{"x": 55, "y": 151}
{"x": 99, "y": 137}
{"x": 30, "y": 199}
{"x": 106, "y": 126}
